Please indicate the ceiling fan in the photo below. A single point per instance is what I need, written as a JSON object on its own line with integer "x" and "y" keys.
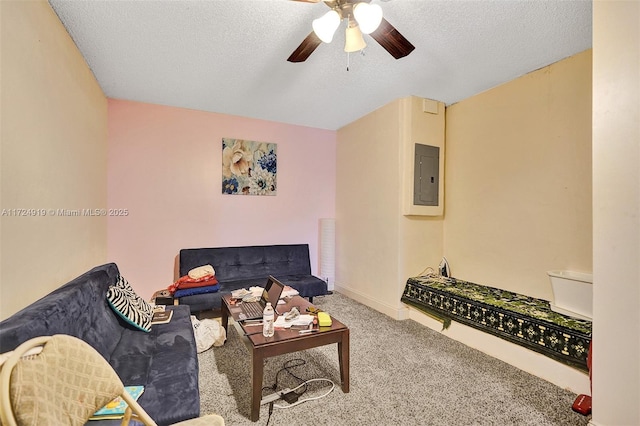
{"x": 362, "y": 17}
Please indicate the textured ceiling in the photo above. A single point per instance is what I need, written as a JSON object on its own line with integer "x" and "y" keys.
{"x": 229, "y": 56}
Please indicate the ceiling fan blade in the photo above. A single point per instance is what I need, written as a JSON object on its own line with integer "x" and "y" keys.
{"x": 394, "y": 42}
{"x": 305, "y": 49}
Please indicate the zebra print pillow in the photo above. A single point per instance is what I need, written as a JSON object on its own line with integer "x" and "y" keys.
{"x": 131, "y": 307}
{"x": 139, "y": 301}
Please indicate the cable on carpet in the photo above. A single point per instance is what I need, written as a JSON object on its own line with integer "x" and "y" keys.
{"x": 286, "y": 368}
{"x": 297, "y": 362}
{"x": 270, "y": 413}
{"x": 288, "y": 365}
{"x": 300, "y": 401}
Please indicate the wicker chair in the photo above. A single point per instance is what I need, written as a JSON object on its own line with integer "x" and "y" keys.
{"x": 62, "y": 380}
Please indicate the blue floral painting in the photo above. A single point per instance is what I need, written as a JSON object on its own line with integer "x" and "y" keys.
{"x": 248, "y": 167}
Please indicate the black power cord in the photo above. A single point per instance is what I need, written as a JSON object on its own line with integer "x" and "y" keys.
{"x": 271, "y": 388}
{"x": 297, "y": 362}
{"x": 290, "y": 397}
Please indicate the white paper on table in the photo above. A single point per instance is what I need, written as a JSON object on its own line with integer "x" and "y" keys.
{"x": 301, "y": 320}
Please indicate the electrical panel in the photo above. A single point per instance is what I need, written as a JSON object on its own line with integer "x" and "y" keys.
{"x": 426, "y": 175}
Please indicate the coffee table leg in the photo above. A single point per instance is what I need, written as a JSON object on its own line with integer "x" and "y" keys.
{"x": 225, "y": 316}
{"x": 343, "y": 355}
{"x": 257, "y": 373}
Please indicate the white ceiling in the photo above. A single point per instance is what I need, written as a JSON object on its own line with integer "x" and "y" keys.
{"x": 229, "y": 56}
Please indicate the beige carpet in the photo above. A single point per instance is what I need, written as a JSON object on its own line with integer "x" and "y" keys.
{"x": 402, "y": 373}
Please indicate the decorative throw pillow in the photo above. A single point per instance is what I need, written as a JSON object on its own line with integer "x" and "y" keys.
{"x": 131, "y": 307}
{"x": 143, "y": 304}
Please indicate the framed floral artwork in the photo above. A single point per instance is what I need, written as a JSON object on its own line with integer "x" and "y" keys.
{"x": 248, "y": 167}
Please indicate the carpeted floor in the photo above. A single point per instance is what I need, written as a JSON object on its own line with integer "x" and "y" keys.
{"x": 402, "y": 373}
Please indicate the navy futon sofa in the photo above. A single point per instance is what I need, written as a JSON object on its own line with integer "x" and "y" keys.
{"x": 163, "y": 360}
{"x": 244, "y": 267}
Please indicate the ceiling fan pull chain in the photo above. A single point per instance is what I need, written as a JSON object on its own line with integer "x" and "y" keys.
{"x": 348, "y": 60}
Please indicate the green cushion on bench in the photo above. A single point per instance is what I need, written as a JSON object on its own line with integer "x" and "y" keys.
{"x": 521, "y": 319}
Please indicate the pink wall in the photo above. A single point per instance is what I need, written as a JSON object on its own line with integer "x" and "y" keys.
{"x": 165, "y": 168}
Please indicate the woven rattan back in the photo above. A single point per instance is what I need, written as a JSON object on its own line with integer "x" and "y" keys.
{"x": 64, "y": 384}
{"x": 61, "y": 380}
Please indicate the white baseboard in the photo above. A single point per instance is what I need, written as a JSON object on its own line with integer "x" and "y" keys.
{"x": 395, "y": 312}
{"x": 520, "y": 357}
{"x": 330, "y": 282}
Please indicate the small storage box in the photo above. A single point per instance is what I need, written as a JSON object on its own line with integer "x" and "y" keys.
{"x": 572, "y": 293}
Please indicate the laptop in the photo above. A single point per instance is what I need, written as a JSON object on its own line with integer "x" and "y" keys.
{"x": 271, "y": 293}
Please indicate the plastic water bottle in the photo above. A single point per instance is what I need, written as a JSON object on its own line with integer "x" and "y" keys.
{"x": 267, "y": 321}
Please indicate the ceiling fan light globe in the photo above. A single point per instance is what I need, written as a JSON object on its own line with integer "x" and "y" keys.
{"x": 326, "y": 26}
{"x": 368, "y": 16}
{"x": 354, "y": 40}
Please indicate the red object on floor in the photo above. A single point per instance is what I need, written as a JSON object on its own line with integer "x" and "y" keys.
{"x": 582, "y": 404}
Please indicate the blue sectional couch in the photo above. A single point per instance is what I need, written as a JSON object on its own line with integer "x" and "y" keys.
{"x": 244, "y": 267}
{"x": 163, "y": 360}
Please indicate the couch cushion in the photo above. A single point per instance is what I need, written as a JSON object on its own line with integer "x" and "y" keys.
{"x": 307, "y": 285}
{"x": 240, "y": 263}
{"x": 165, "y": 362}
{"x": 58, "y": 313}
{"x": 244, "y": 267}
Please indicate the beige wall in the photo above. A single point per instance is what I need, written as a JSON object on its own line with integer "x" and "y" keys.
{"x": 517, "y": 199}
{"x": 54, "y": 147}
{"x": 367, "y": 209}
{"x": 518, "y": 180}
{"x": 421, "y": 232}
{"x": 377, "y": 247}
{"x": 616, "y": 213}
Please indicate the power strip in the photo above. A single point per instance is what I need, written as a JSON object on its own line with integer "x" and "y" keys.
{"x": 274, "y": 396}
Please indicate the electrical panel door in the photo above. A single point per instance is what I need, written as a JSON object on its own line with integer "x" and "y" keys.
{"x": 426, "y": 175}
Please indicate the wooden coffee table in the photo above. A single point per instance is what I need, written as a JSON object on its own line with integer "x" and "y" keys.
{"x": 285, "y": 341}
